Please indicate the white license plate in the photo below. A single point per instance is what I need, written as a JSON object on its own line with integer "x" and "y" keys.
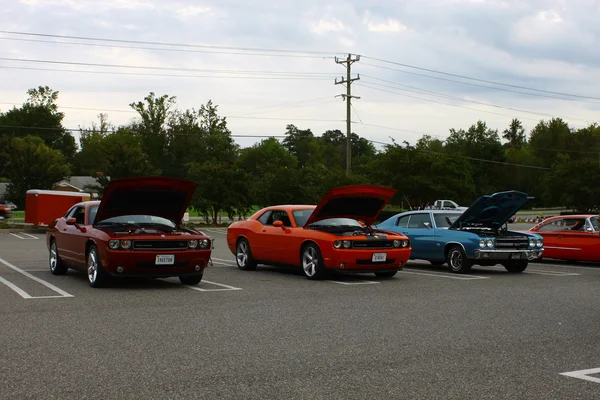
{"x": 379, "y": 257}
{"x": 515, "y": 256}
{"x": 165, "y": 260}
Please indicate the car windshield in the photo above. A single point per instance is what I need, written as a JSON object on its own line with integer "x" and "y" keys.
{"x": 301, "y": 216}
{"x": 445, "y": 220}
{"x": 132, "y": 219}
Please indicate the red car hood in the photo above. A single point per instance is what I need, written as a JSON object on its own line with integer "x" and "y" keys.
{"x": 158, "y": 196}
{"x": 361, "y": 202}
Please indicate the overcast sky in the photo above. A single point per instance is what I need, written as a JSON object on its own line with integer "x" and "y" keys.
{"x": 549, "y": 45}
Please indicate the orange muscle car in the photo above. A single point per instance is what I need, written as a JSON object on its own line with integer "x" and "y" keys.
{"x": 571, "y": 237}
{"x": 334, "y": 235}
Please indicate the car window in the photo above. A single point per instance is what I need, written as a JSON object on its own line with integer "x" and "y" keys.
{"x": 419, "y": 220}
{"x": 70, "y": 212}
{"x": 402, "y": 222}
{"x": 564, "y": 224}
{"x": 79, "y": 215}
{"x": 447, "y": 204}
{"x": 265, "y": 217}
{"x": 444, "y": 220}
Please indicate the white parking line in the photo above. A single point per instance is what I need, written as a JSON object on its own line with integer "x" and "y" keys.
{"x": 31, "y": 237}
{"x": 35, "y": 278}
{"x": 227, "y": 287}
{"x": 584, "y": 374}
{"x": 224, "y": 260}
{"x": 214, "y": 231}
{"x": 355, "y": 283}
{"x": 541, "y": 272}
{"x": 447, "y": 276}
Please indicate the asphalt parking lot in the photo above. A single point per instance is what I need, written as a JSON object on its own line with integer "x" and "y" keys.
{"x": 271, "y": 333}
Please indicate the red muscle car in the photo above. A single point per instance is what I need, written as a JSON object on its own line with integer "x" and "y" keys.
{"x": 334, "y": 235}
{"x": 571, "y": 237}
{"x": 134, "y": 231}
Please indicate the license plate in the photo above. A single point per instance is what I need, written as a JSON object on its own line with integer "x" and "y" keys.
{"x": 515, "y": 256}
{"x": 165, "y": 260}
{"x": 379, "y": 257}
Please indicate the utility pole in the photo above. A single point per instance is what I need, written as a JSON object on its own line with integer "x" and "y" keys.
{"x": 348, "y": 96}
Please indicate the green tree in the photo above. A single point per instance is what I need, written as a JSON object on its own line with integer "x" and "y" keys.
{"x": 515, "y": 134}
{"x": 33, "y": 165}
{"x": 39, "y": 116}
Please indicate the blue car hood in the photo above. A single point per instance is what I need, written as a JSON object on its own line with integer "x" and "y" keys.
{"x": 492, "y": 211}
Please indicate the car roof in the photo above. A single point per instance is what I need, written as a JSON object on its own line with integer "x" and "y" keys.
{"x": 571, "y": 216}
{"x": 289, "y": 207}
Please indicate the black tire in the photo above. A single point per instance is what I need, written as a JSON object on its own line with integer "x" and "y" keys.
{"x": 457, "y": 260}
{"x": 516, "y": 267}
{"x": 311, "y": 262}
{"x": 190, "y": 279}
{"x": 386, "y": 274}
{"x": 243, "y": 256}
{"x": 57, "y": 266}
{"x": 95, "y": 273}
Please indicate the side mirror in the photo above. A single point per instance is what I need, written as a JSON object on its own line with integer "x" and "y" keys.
{"x": 71, "y": 221}
{"x": 278, "y": 224}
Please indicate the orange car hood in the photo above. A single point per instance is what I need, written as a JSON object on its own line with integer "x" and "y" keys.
{"x": 361, "y": 202}
{"x": 152, "y": 195}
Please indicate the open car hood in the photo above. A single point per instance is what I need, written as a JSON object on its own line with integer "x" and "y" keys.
{"x": 158, "y": 196}
{"x": 360, "y": 202}
{"x": 492, "y": 211}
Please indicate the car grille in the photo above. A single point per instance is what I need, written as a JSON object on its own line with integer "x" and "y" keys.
{"x": 372, "y": 244}
{"x": 512, "y": 242}
{"x": 159, "y": 245}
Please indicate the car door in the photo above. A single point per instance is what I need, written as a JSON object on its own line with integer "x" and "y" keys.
{"x": 277, "y": 241}
{"x": 75, "y": 238}
{"x": 419, "y": 230}
{"x": 63, "y": 237}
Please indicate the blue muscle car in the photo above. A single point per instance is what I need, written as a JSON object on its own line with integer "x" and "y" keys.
{"x": 478, "y": 235}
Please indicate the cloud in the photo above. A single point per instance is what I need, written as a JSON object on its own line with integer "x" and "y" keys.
{"x": 547, "y": 45}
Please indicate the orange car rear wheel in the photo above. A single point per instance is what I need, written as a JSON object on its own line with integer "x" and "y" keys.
{"x": 243, "y": 255}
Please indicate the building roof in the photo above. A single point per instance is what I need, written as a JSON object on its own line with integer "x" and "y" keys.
{"x": 78, "y": 182}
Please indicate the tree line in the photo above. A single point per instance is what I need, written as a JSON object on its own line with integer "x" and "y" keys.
{"x": 557, "y": 164}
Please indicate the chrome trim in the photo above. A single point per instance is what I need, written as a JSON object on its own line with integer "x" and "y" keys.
{"x": 530, "y": 253}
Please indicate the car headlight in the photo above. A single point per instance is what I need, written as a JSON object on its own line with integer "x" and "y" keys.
{"x": 397, "y": 243}
{"x": 490, "y": 243}
{"x": 337, "y": 244}
{"x": 113, "y": 244}
{"x": 482, "y": 243}
{"x": 346, "y": 244}
{"x": 125, "y": 244}
{"x": 531, "y": 242}
{"x": 405, "y": 243}
{"x": 192, "y": 244}
{"x": 540, "y": 242}
{"x": 204, "y": 243}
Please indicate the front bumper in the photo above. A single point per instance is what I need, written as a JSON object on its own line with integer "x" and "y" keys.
{"x": 361, "y": 261}
{"x": 527, "y": 254}
{"x": 143, "y": 263}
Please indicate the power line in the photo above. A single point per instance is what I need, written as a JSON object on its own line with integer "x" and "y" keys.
{"x": 164, "y": 49}
{"x": 168, "y": 68}
{"x": 279, "y": 77}
{"x": 478, "y": 85}
{"x": 481, "y": 80}
{"x": 438, "y": 94}
{"x": 87, "y": 38}
{"x": 448, "y": 104}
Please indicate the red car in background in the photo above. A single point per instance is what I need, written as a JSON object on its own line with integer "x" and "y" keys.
{"x": 5, "y": 212}
{"x": 571, "y": 237}
{"x": 134, "y": 231}
{"x": 334, "y": 235}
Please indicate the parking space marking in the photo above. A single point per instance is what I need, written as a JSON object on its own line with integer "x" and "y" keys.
{"x": 541, "y": 272}
{"x": 35, "y": 278}
{"x": 463, "y": 277}
{"x": 30, "y": 237}
{"x": 17, "y": 289}
{"x": 584, "y": 374}
{"x": 354, "y": 283}
{"x": 227, "y": 287}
